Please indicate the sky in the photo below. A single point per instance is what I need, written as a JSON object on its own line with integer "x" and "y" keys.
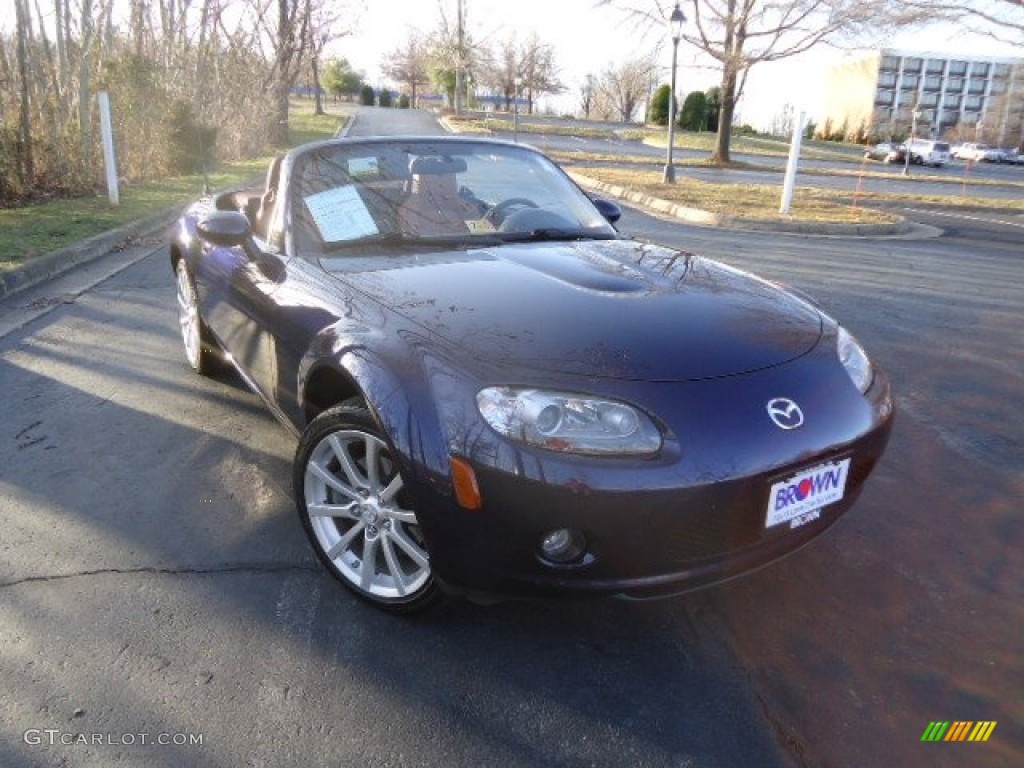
{"x": 589, "y": 40}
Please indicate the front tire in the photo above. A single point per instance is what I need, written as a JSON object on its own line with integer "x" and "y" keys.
{"x": 198, "y": 351}
{"x": 358, "y": 513}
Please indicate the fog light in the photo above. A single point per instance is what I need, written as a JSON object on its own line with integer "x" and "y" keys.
{"x": 562, "y": 545}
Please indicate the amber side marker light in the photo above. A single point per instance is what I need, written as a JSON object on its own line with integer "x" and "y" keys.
{"x": 467, "y": 492}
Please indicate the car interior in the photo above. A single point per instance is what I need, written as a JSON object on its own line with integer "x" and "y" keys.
{"x": 343, "y": 196}
{"x": 434, "y": 206}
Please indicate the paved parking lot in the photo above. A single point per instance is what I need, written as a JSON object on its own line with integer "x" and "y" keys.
{"x": 913, "y": 608}
{"x": 154, "y": 579}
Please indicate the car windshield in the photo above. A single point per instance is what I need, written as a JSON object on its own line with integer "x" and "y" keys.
{"x": 353, "y": 195}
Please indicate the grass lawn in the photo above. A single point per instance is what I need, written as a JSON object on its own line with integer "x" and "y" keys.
{"x": 701, "y": 141}
{"x": 761, "y": 201}
{"x": 759, "y": 145}
{"x": 44, "y": 227}
{"x": 743, "y": 201}
{"x": 864, "y": 170}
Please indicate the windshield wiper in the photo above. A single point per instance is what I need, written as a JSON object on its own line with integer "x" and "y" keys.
{"x": 396, "y": 238}
{"x": 554, "y": 234}
{"x": 381, "y": 238}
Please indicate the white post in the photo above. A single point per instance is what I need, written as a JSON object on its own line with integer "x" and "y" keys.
{"x": 794, "y": 156}
{"x": 109, "y": 161}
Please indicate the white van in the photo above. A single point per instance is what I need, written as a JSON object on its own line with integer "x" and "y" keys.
{"x": 928, "y": 152}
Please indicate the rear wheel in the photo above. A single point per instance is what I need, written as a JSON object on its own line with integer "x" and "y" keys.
{"x": 198, "y": 349}
{"x": 358, "y": 513}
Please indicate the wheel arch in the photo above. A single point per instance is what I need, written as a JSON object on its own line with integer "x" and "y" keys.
{"x": 325, "y": 387}
{"x": 404, "y": 411}
{"x": 176, "y": 255}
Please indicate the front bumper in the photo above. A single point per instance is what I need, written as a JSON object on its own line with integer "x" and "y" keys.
{"x": 653, "y": 527}
{"x": 640, "y": 544}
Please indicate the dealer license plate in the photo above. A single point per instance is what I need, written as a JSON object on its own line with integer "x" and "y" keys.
{"x": 798, "y": 499}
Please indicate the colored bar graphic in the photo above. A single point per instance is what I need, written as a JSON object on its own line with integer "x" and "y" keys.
{"x": 958, "y": 730}
{"x": 982, "y": 731}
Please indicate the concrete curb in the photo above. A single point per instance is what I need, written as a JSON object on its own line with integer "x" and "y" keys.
{"x": 49, "y": 265}
{"x": 710, "y": 219}
{"x": 450, "y": 127}
{"x": 345, "y": 127}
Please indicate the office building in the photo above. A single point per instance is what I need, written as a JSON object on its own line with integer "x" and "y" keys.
{"x": 956, "y": 97}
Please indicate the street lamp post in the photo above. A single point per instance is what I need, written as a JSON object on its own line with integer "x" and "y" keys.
{"x": 914, "y": 117}
{"x": 515, "y": 109}
{"x": 676, "y": 25}
{"x": 459, "y": 63}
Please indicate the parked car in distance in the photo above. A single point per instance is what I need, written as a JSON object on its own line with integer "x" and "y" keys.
{"x": 976, "y": 152}
{"x": 928, "y": 152}
{"x": 886, "y": 152}
{"x": 494, "y": 393}
{"x": 1012, "y": 156}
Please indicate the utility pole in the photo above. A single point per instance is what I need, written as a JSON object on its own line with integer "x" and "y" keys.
{"x": 459, "y": 47}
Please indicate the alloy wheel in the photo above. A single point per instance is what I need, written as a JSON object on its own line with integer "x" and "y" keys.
{"x": 188, "y": 318}
{"x": 358, "y": 514}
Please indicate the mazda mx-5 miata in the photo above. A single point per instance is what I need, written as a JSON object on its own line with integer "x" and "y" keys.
{"x": 496, "y": 395}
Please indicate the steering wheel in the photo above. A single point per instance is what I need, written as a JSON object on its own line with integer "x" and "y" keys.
{"x": 498, "y": 212}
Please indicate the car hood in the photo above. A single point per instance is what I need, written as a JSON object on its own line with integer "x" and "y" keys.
{"x": 610, "y": 309}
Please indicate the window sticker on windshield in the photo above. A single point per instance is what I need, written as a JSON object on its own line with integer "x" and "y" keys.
{"x": 340, "y": 214}
{"x": 362, "y": 166}
{"x": 479, "y": 225}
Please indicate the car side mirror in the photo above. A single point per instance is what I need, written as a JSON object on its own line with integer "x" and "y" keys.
{"x": 608, "y": 209}
{"x": 271, "y": 268}
{"x": 226, "y": 228}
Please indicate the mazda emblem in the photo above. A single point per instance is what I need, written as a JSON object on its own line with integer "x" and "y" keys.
{"x": 785, "y": 413}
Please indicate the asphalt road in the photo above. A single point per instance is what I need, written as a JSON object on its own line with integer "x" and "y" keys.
{"x": 154, "y": 578}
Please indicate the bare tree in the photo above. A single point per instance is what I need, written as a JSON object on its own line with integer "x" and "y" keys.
{"x": 1002, "y": 20}
{"x": 26, "y": 165}
{"x": 456, "y": 58}
{"x": 504, "y": 73}
{"x": 538, "y": 69}
{"x": 61, "y": 12}
{"x": 1005, "y": 112}
{"x": 292, "y": 37}
{"x": 739, "y": 34}
{"x": 523, "y": 66}
{"x": 172, "y": 68}
{"x": 453, "y": 54}
{"x": 289, "y": 33}
{"x": 621, "y": 89}
{"x": 87, "y": 39}
{"x": 408, "y": 66}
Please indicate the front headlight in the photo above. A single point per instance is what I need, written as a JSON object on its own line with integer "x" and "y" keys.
{"x": 854, "y": 359}
{"x": 568, "y": 423}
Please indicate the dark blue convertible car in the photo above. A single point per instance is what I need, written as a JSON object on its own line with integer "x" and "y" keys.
{"x": 496, "y": 395}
